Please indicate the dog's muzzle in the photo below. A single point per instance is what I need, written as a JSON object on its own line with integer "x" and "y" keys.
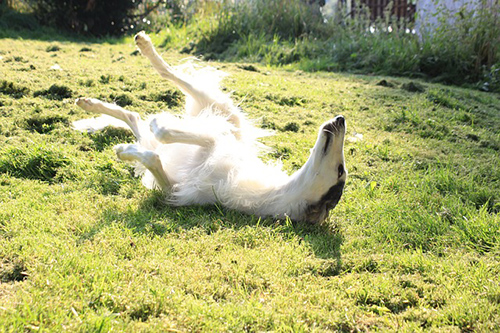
{"x": 331, "y": 129}
{"x": 336, "y": 126}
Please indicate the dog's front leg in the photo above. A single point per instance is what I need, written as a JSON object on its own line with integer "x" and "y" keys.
{"x": 148, "y": 158}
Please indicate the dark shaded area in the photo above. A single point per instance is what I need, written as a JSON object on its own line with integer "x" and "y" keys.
{"x": 385, "y": 83}
{"x": 97, "y": 18}
{"x": 12, "y": 89}
{"x": 250, "y": 68}
{"x": 413, "y": 87}
{"x": 12, "y": 271}
{"x": 156, "y": 217}
{"x": 172, "y": 98}
{"x": 109, "y": 136}
{"x": 55, "y": 92}
{"x": 291, "y": 127}
{"x": 122, "y": 100}
{"x": 44, "y": 123}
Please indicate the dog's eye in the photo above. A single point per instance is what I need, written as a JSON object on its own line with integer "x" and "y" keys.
{"x": 341, "y": 170}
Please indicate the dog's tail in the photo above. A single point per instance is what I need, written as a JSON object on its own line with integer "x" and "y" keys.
{"x": 92, "y": 125}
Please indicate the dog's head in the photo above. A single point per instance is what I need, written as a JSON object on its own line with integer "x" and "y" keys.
{"x": 326, "y": 173}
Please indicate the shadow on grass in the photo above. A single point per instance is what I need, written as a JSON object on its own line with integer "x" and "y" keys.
{"x": 155, "y": 217}
{"x": 17, "y": 25}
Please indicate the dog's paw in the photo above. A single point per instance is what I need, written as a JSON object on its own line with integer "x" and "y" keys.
{"x": 84, "y": 102}
{"x": 125, "y": 152}
{"x": 88, "y": 104}
{"x": 153, "y": 125}
{"x": 143, "y": 42}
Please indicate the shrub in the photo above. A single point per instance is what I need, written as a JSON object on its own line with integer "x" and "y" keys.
{"x": 97, "y": 18}
{"x": 15, "y": 20}
{"x": 279, "y": 32}
{"x": 284, "y": 19}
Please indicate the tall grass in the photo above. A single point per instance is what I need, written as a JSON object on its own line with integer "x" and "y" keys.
{"x": 283, "y": 32}
{"x": 294, "y": 33}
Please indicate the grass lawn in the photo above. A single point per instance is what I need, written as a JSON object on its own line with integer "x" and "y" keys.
{"x": 414, "y": 244}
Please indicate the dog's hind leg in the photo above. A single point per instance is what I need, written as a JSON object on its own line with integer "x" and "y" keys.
{"x": 177, "y": 134}
{"x": 202, "y": 99}
{"x": 147, "y": 49}
{"x": 148, "y": 158}
{"x": 132, "y": 119}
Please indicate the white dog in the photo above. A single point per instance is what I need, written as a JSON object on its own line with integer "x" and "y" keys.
{"x": 210, "y": 155}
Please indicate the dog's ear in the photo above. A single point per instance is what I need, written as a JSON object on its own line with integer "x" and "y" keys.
{"x": 318, "y": 211}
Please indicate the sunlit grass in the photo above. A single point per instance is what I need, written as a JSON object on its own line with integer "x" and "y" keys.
{"x": 413, "y": 245}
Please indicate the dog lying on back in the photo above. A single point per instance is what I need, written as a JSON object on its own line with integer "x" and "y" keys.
{"x": 210, "y": 155}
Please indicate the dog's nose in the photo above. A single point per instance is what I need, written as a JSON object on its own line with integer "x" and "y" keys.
{"x": 339, "y": 121}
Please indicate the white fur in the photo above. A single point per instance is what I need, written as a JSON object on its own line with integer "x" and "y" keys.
{"x": 210, "y": 155}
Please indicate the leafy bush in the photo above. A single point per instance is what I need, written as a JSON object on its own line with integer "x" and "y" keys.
{"x": 285, "y": 19}
{"x": 90, "y": 17}
{"x": 15, "y": 20}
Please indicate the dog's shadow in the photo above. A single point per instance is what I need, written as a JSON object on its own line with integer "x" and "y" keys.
{"x": 155, "y": 217}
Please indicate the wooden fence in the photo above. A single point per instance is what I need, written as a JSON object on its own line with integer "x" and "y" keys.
{"x": 402, "y": 9}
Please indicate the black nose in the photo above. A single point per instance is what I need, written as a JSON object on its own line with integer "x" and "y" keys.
{"x": 339, "y": 121}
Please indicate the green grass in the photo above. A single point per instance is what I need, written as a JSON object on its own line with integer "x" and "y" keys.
{"x": 413, "y": 245}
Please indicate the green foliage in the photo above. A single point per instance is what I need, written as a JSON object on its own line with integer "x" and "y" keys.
{"x": 281, "y": 18}
{"x": 16, "y": 20}
{"x": 110, "y": 136}
{"x": 172, "y": 98}
{"x": 97, "y": 18}
{"x": 292, "y": 32}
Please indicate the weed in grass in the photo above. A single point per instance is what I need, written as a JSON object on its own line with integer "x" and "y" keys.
{"x": 250, "y": 68}
{"x": 413, "y": 87}
{"x": 385, "y": 83}
{"x": 110, "y": 136}
{"x": 282, "y": 153}
{"x": 12, "y": 271}
{"x": 172, "y": 98}
{"x": 55, "y": 92}
{"x": 291, "y": 127}
{"x": 286, "y": 100}
{"x": 12, "y": 89}
{"x": 20, "y": 59}
{"x": 87, "y": 83}
{"x": 122, "y": 99}
{"x": 44, "y": 124}
{"x": 105, "y": 79}
{"x": 266, "y": 123}
{"x": 53, "y": 48}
